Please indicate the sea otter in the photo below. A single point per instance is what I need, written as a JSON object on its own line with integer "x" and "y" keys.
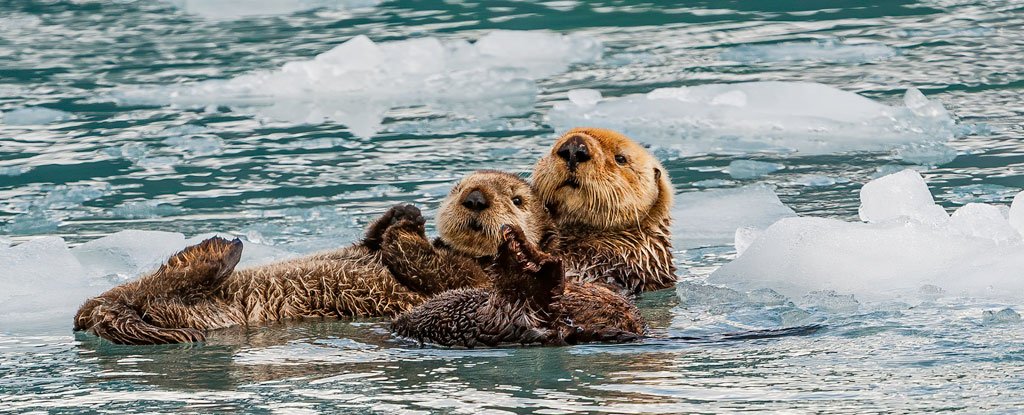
{"x": 394, "y": 268}
{"x": 611, "y": 202}
{"x": 529, "y": 302}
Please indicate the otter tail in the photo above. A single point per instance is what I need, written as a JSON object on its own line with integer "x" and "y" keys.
{"x": 191, "y": 273}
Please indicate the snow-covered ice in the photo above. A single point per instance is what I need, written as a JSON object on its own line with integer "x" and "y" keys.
{"x": 357, "y": 82}
{"x": 907, "y": 250}
{"x": 239, "y": 9}
{"x": 829, "y": 50}
{"x": 808, "y": 118}
{"x": 33, "y": 116}
{"x": 711, "y": 217}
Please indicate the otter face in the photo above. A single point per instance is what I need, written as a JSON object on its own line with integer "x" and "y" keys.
{"x": 470, "y": 218}
{"x": 601, "y": 179}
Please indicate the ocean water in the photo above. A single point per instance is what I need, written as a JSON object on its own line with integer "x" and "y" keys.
{"x": 292, "y": 123}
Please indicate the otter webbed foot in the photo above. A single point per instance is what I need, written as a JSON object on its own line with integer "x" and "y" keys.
{"x": 407, "y": 217}
{"x": 196, "y": 269}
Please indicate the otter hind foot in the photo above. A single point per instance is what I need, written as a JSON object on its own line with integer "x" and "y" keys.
{"x": 117, "y": 322}
{"x": 200, "y": 267}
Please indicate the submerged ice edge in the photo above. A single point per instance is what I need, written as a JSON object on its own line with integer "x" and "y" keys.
{"x": 358, "y": 82}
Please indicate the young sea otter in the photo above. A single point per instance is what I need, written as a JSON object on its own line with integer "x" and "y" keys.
{"x": 611, "y": 201}
{"x": 392, "y": 270}
{"x": 529, "y": 302}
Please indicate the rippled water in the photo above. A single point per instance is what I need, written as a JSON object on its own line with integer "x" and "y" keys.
{"x": 89, "y": 164}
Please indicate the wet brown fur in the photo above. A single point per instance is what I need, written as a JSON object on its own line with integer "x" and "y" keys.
{"x": 613, "y": 218}
{"x": 392, "y": 270}
{"x": 529, "y": 302}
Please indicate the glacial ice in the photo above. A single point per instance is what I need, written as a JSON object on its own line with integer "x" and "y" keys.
{"x": 752, "y": 169}
{"x": 807, "y": 118}
{"x": 828, "y": 50}
{"x": 44, "y": 281}
{"x": 711, "y": 217}
{"x": 907, "y": 250}
{"x": 239, "y": 9}
{"x": 359, "y": 81}
{"x": 33, "y": 116}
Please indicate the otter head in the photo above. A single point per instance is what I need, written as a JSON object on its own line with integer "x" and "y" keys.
{"x": 601, "y": 179}
{"x": 471, "y": 217}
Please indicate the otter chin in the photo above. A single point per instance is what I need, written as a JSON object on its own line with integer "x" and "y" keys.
{"x": 611, "y": 202}
{"x": 470, "y": 218}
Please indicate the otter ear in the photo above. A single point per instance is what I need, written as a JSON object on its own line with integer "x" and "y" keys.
{"x": 657, "y": 173}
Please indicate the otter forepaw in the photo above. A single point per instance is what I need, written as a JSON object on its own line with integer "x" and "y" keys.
{"x": 404, "y": 216}
{"x": 517, "y": 250}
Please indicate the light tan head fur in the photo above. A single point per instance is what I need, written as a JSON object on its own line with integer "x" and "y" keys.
{"x": 620, "y": 185}
{"x": 509, "y": 200}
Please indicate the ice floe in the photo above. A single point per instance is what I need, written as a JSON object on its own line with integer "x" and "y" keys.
{"x": 44, "y": 281}
{"x": 711, "y": 217}
{"x": 239, "y": 9}
{"x": 359, "y": 81}
{"x": 33, "y": 116}
{"x": 907, "y": 249}
{"x": 829, "y": 50}
{"x": 808, "y": 118}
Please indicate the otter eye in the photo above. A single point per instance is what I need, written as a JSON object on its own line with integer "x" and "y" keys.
{"x": 619, "y": 158}
{"x": 518, "y": 201}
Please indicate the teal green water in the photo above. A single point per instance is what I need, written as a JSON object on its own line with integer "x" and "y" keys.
{"x": 103, "y": 164}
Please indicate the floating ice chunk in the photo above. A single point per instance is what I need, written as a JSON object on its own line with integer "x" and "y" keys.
{"x": 981, "y": 193}
{"x": 357, "y": 82}
{"x": 33, "y": 116}
{"x": 712, "y": 183}
{"x": 238, "y": 9}
{"x": 14, "y": 170}
{"x": 585, "y": 98}
{"x": 196, "y": 146}
{"x": 976, "y": 252}
{"x": 818, "y": 51}
{"x": 831, "y": 302}
{"x": 711, "y": 217}
{"x": 144, "y": 209}
{"x": 41, "y": 283}
{"x": 128, "y": 253}
{"x": 900, "y": 194}
{"x": 817, "y": 180}
{"x": 772, "y": 116}
{"x": 744, "y": 237}
{"x": 751, "y": 169}
{"x": 980, "y": 220}
{"x": 33, "y": 222}
{"x": 1006, "y": 315}
{"x": 927, "y": 154}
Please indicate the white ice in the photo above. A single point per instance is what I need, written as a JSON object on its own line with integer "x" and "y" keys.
{"x": 239, "y": 9}
{"x": 907, "y": 250}
{"x": 711, "y": 217}
{"x": 807, "y": 118}
{"x": 44, "y": 281}
{"x": 819, "y": 51}
{"x": 33, "y": 116}
{"x": 359, "y": 81}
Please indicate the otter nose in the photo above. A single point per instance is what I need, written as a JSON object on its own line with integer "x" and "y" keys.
{"x": 574, "y": 151}
{"x": 475, "y": 201}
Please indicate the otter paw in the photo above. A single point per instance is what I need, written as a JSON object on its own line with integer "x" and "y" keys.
{"x": 405, "y": 216}
{"x": 517, "y": 250}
